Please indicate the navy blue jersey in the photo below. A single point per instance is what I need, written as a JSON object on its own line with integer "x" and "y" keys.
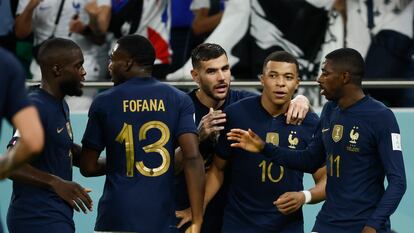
{"x": 13, "y": 96}
{"x": 34, "y": 209}
{"x": 360, "y": 145}
{"x": 12, "y": 89}
{"x": 138, "y": 122}
{"x": 255, "y": 180}
{"x": 213, "y": 215}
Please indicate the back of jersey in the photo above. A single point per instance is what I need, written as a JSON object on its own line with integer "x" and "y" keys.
{"x": 138, "y": 122}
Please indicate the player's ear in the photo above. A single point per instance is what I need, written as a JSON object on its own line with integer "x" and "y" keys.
{"x": 195, "y": 75}
{"x": 260, "y": 77}
{"x": 128, "y": 64}
{"x": 56, "y": 69}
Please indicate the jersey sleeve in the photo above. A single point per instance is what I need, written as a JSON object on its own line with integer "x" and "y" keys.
{"x": 390, "y": 152}
{"x": 93, "y": 136}
{"x": 21, "y": 6}
{"x": 16, "y": 96}
{"x": 186, "y": 122}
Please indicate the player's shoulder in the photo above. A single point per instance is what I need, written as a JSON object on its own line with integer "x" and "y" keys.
{"x": 237, "y": 95}
{"x": 311, "y": 118}
{"x": 9, "y": 64}
{"x": 243, "y": 104}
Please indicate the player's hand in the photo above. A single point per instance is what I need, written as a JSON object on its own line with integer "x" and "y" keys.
{"x": 92, "y": 8}
{"x": 246, "y": 140}
{"x": 368, "y": 229}
{"x": 75, "y": 25}
{"x": 194, "y": 228}
{"x": 185, "y": 215}
{"x": 74, "y": 194}
{"x": 289, "y": 202}
{"x": 209, "y": 126}
{"x": 298, "y": 108}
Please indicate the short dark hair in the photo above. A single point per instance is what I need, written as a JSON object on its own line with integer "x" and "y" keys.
{"x": 205, "y": 52}
{"x": 139, "y": 48}
{"x": 348, "y": 60}
{"x": 54, "y": 49}
{"x": 281, "y": 56}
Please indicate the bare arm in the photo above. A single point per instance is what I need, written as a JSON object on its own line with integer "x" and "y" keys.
{"x": 74, "y": 194}
{"x": 31, "y": 140}
{"x": 203, "y": 23}
{"x": 23, "y": 23}
{"x": 90, "y": 164}
{"x": 194, "y": 175}
{"x": 99, "y": 17}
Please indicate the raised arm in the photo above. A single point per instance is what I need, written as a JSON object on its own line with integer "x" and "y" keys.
{"x": 298, "y": 108}
{"x": 23, "y": 23}
{"x": 30, "y": 144}
{"x": 195, "y": 177}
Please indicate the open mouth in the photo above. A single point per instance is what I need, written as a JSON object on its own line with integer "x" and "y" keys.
{"x": 322, "y": 91}
{"x": 221, "y": 88}
{"x": 280, "y": 94}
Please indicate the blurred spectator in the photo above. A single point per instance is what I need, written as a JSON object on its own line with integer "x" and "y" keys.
{"x": 148, "y": 18}
{"x": 207, "y": 16}
{"x": 250, "y": 29}
{"x": 383, "y": 32}
{"x": 38, "y": 16}
{"x": 79, "y": 20}
{"x": 7, "y": 39}
{"x": 181, "y": 19}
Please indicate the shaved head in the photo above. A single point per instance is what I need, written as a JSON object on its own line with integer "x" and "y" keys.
{"x": 56, "y": 51}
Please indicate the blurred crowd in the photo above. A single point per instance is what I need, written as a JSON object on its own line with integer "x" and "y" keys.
{"x": 381, "y": 30}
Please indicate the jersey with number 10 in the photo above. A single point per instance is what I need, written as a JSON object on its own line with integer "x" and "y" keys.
{"x": 138, "y": 122}
{"x": 256, "y": 181}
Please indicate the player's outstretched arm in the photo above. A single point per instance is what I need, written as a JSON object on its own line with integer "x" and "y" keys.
{"x": 246, "y": 140}
{"x": 90, "y": 164}
{"x": 290, "y": 202}
{"x": 30, "y": 143}
{"x": 72, "y": 193}
{"x": 194, "y": 175}
{"x": 298, "y": 108}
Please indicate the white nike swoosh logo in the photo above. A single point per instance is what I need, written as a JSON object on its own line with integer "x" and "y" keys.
{"x": 324, "y": 130}
{"x": 59, "y": 130}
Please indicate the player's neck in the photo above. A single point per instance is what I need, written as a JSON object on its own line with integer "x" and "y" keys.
{"x": 356, "y": 94}
{"x": 208, "y": 101}
{"x": 53, "y": 90}
{"x": 274, "y": 109}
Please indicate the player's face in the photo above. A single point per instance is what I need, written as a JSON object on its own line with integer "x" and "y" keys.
{"x": 280, "y": 81}
{"x": 73, "y": 74}
{"x": 330, "y": 82}
{"x": 116, "y": 65}
{"x": 213, "y": 77}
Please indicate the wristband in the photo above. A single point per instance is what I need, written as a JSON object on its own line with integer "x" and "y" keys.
{"x": 308, "y": 196}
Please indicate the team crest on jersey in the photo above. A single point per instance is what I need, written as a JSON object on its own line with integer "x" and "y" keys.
{"x": 273, "y": 138}
{"x": 69, "y": 129}
{"x": 354, "y": 135}
{"x": 293, "y": 141}
{"x": 337, "y": 132}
